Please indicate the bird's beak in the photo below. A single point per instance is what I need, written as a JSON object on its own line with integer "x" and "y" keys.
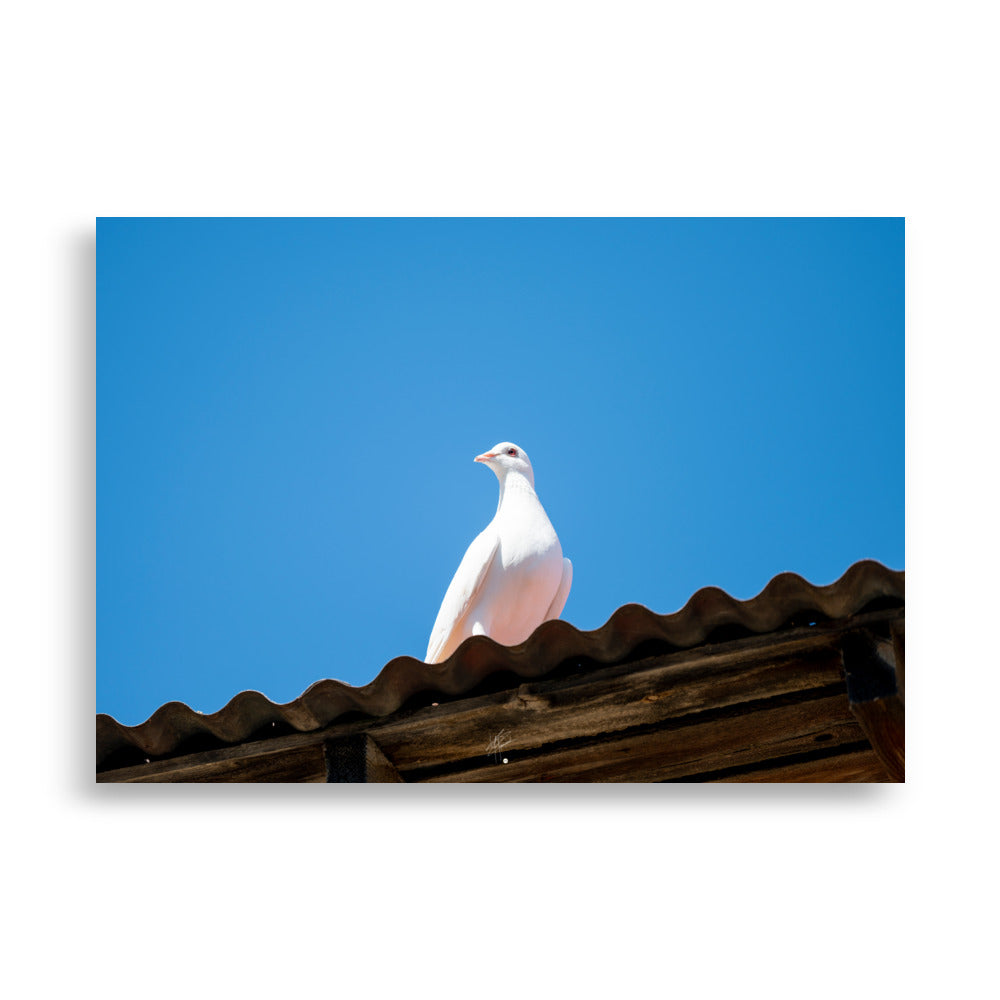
{"x": 485, "y": 457}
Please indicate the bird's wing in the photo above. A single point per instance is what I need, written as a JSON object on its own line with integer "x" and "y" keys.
{"x": 559, "y": 601}
{"x": 463, "y": 590}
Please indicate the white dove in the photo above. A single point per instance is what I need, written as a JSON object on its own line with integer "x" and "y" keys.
{"x": 513, "y": 576}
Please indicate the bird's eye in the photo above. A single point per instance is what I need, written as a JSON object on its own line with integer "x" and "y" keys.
{"x": 512, "y": 452}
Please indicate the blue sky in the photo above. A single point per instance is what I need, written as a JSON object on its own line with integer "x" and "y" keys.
{"x": 287, "y": 412}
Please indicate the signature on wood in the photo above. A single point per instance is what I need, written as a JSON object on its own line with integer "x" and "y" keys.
{"x": 497, "y": 742}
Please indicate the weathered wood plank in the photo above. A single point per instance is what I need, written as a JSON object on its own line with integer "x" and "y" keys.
{"x": 542, "y": 713}
{"x": 625, "y": 695}
{"x": 230, "y": 757}
{"x": 666, "y": 754}
{"x": 853, "y": 767}
{"x": 267, "y": 764}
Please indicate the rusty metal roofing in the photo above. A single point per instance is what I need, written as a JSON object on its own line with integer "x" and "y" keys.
{"x": 633, "y": 631}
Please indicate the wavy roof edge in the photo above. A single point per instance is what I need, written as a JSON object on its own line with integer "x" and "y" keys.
{"x": 786, "y": 597}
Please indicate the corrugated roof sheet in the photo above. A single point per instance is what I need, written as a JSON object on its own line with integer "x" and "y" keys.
{"x": 711, "y": 615}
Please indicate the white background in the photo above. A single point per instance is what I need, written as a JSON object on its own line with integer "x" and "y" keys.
{"x": 493, "y": 109}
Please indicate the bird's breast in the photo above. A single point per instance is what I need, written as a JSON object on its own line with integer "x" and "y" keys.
{"x": 528, "y": 541}
{"x": 528, "y": 574}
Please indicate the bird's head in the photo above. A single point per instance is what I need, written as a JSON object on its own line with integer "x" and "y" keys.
{"x": 504, "y": 458}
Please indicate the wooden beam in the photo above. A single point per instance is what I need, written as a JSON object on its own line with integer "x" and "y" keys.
{"x": 898, "y": 630}
{"x": 265, "y": 761}
{"x": 854, "y": 766}
{"x": 882, "y": 721}
{"x": 646, "y": 693}
{"x": 357, "y": 758}
{"x": 873, "y": 688}
{"x": 697, "y": 745}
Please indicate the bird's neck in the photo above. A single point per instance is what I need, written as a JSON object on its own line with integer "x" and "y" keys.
{"x": 515, "y": 485}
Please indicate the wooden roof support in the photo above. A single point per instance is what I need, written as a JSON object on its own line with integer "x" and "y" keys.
{"x": 898, "y": 630}
{"x": 819, "y": 702}
{"x": 357, "y": 758}
{"x": 874, "y": 672}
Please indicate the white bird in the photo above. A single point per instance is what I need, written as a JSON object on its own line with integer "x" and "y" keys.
{"x": 513, "y": 576}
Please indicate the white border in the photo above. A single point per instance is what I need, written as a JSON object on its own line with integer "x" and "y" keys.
{"x": 542, "y": 108}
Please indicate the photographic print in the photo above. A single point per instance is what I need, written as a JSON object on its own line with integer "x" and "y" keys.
{"x": 500, "y": 500}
